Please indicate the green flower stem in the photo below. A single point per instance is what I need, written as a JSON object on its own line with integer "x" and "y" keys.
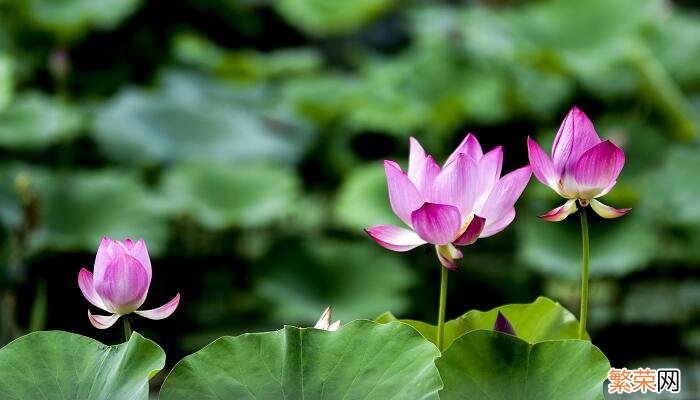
{"x": 584, "y": 275}
{"x": 441, "y": 310}
{"x": 127, "y": 327}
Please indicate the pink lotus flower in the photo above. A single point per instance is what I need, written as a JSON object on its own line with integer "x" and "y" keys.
{"x": 121, "y": 281}
{"x": 465, "y": 200}
{"x": 582, "y": 167}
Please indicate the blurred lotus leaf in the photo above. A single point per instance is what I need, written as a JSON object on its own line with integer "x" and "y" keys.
{"x": 324, "y": 98}
{"x": 599, "y": 57}
{"x": 674, "y": 206}
{"x": 195, "y": 119}
{"x": 639, "y": 138}
{"x": 70, "y": 18}
{"x": 76, "y": 209}
{"x": 675, "y": 199}
{"x": 662, "y": 302}
{"x": 365, "y": 186}
{"x": 554, "y": 90}
{"x": 391, "y": 97}
{"x": 362, "y": 360}
{"x": 617, "y": 247}
{"x": 551, "y": 42}
{"x": 61, "y": 365}
{"x": 6, "y": 81}
{"x": 357, "y": 279}
{"x": 394, "y": 101}
{"x": 10, "y": 201}
{"x": 330, "y": 17}
{"x": 494, "y": 365}
{"x": 246, "y": 65}
{"x": 35, "y": 120}
{"x": 678, "y": 45}
{"x": 220, "y": 196}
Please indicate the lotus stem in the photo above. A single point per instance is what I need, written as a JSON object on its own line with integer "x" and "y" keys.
{"x": 584, "y": 274}
{"x": 441, "y": 309}
{"x": 127, "y": 327}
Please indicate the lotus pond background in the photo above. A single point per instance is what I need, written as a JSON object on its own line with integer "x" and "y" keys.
{"x": 243, "y": 140}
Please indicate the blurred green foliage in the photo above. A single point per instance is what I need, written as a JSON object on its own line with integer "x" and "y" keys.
{"x": 243, "y": 140}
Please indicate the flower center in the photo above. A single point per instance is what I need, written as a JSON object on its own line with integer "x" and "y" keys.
{"x": 465, "y": 226}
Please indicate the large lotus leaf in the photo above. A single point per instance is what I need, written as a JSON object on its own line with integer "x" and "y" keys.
{"x": 365, "y": 186}
{"x": 192, "y": 118}
{"x": 221, "y": 196}
{"x": 62, "y": 365}
{"x": 72, "y": 17}
{"x": 324, "y": 17}
{"x": 35, "y": 120}
{"x": 362, "y": 360}
{"x": 76, "y": 209}
{"x": 356, "y": 278}
{"x": 484, "y": 365}
{"x": 541, "y": 320}
{"x": 617, "y": 247}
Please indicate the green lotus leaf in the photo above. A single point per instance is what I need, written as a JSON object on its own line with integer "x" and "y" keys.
{"x": 62, "y": 365}
{"x": 362, "y": 360}
{"x": 483, "y": 365}
{"x": 541, "y": 320}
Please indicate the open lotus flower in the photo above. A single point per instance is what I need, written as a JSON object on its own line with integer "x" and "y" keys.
{"x": 122, "y": 276}
{"x": 454, "y": 205}
{"x": 582, "y": 167}
{"x": 325, "y": 321}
